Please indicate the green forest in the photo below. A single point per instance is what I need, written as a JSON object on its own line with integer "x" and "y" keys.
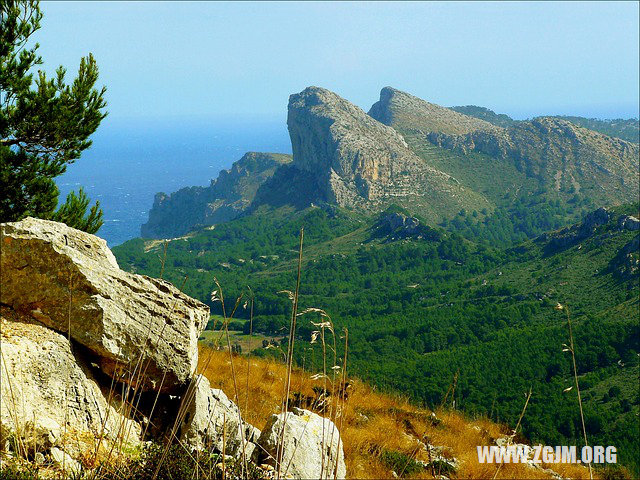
{"x": 439, "y": 304}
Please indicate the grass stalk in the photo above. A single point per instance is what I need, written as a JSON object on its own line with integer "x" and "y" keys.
{"x": 515, "y": 430}
{"x": 575, "y": 378}
{"x": 292, "y": 331}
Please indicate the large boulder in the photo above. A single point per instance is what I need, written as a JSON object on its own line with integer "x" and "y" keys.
{"x": 49, "y": 396}
{"x": 212, "y": 422}
{"x": 143, "y": 331}
{"x": 311, "y": 449}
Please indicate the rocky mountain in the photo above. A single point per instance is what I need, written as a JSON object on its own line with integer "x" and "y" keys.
{"x": 406, "y": 112}
{"x": 431, "y": 160}
{"x": 358, "y": 162}
{"x": 560, "y": 155}
{"x": 227, "y": 196}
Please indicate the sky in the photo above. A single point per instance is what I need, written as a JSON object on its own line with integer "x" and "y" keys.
{"x": 242, "y": 60}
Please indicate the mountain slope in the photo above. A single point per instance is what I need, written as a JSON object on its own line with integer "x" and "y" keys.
{"x": 227, "y": 196}
{"x": 562, "y": 156}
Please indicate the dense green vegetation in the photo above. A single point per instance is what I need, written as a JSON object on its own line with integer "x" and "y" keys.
{"x": 45, "y": 124}
{"x": 419, "y": 310}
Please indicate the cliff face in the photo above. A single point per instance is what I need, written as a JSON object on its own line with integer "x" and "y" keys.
{"x": 565, "y": 157}
{"x": 354, "y": 155}
{"x": 227, "y": 196}
{"x": 406, "y": 112}
{"x": 358, "y": 161}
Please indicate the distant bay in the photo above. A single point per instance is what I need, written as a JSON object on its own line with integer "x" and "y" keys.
{"x": 131, "y": 160}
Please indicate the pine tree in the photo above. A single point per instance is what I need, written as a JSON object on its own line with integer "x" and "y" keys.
{"x": 45, "y": 124}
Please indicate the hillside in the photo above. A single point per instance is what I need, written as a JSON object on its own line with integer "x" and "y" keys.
{"x": 227, "y": 196}
{"x": 422, "y": 304}
{"x": 427, "y": 444}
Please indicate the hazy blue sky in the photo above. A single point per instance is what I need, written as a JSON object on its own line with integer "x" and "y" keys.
{"x": 220, "y": 59}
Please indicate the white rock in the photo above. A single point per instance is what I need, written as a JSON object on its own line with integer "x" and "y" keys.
{"x": 70, "y": 281}
{"x": 312, "y": 448}
{"x": 48, "y": 391}
{"x": 65, "y": 462}
{"x": 212, "y": 420}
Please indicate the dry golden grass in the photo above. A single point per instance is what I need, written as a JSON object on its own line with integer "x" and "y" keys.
{"x": 371, "y": 422}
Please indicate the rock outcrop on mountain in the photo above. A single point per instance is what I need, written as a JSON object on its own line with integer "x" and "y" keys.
{"x": 227, "y": 196}
{"x": 406, "y": 112}
{"x": 569, "y": 236}
{"x": 358, "y": 162}
{"x": 559, "y": 154}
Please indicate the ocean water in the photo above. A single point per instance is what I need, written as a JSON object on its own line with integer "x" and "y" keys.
{"x": 130, "y": 161}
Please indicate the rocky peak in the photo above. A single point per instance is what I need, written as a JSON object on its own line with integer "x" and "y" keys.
{"x": 357, "y": 160}
{"x": 406, "y": 112}
{"x": 333, "y": 136}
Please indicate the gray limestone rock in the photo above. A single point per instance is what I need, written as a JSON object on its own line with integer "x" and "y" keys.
{"x": 143, "y": 331}
{"x": 312, "y": 448}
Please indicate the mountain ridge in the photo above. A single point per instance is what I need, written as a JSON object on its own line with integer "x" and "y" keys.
{"x": 400, "y": 109}
{"x": 361, "y": 163}
{"x": 429, "y": 159}
{"x": 626, "y": 129}
{"x": 224, "y": 199}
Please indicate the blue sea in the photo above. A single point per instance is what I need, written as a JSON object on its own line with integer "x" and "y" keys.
{"x": 131, "y": 160}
